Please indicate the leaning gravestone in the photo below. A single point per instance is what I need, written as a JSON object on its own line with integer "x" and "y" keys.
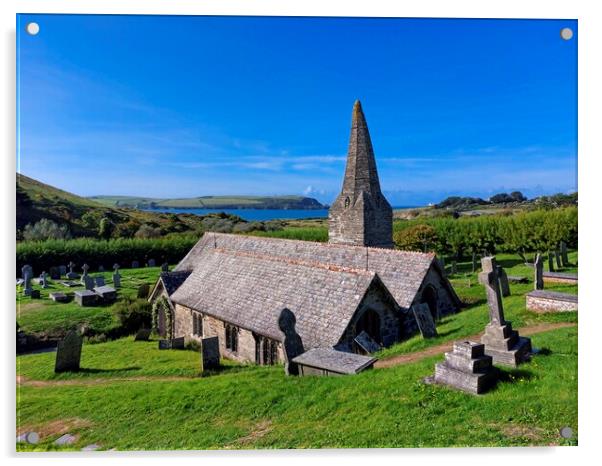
{"x": 143, "y": 334}
{"x": 151, "y": 263}
{"x": 68, "y": 352}
{"x": 504, "y": 284}
{"x": 55, "y": 273}
{"x": 292, "y": 343}
{"x": 538, "y": 282}
{"x": 424, "y": 319}
{"x": 100, "y": 281}
{"x": 365, "y": 342}
{"x": 466, "y": 368}
{"x": 210, "y": 353}
{"x": 564, "y": 255}
{"x": 502, "y": 343}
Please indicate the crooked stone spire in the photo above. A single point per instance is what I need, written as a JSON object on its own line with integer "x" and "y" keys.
{"x": 361, "y": 215}
{"x": 360, "y": 173}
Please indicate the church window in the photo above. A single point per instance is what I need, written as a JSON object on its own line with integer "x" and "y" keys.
{"x": 197, "y": 324}
{"x": 347, "y": 202}
{"x": 232, "y": 338}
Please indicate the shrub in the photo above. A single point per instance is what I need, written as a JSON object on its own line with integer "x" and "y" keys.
{"x": 148, "y": 231}
{"x": 45, "y": 229}
{"x": 416, "y": 238}
{"x": 134, "y": 314}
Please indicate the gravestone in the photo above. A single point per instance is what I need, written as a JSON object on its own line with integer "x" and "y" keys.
{"x": 504, "y": 284}
{"x": 85, "y": 297}
{"x": 116, "y": 276}
{"x": 143, "y": 334}
{"x": 564, "y": 255}
{"x": 151, "y": 263}
{"x": 174, "y": 343}
{"x": 88, "y": 282}
{"x": 27, "y": 276}
{"x": 85, "y": 275}
{"x": 68, "y": 352}
{"x": 550, "y": 261}
{"x": 164, "y": 267}
{"x": 502, "y": 343}
{"x": 62, "y": 270}
{"x": 292, "y": 343}
{"x": 210, "y": 353}
{"x": 365, "y": 342}
{"x": 59, "y": 297}
{"x": 44, "y": 280}
{"x": 424, "y": 319}
{"x": 55, "y": 273}
{"x": 100, "y": 281}
{"x": 135, "y": 264}
{"x": 106, "y": 293}
{"x": 101, "y": 268}
{"x": 538, "y": 281}
{"x": 71, "y": 275}
{"x": 466, "y": 368}
{"x": 558, "y": 260}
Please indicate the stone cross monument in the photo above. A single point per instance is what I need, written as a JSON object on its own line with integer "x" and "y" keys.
{"x": 292, "y": 344}
{"x": 502, "y": 343}
{"x": 361, "y": 215}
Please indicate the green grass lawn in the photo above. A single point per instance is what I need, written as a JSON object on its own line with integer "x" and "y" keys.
{"x": 54, "y": 319}
{"x": 259, "y": 407}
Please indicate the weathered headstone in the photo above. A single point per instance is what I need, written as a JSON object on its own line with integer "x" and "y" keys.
{"x": 424, "y": 319}
{"x": 366, "y": 343}
{"x": 68, "y": 352}
{"x": 502, "y": 343}
{"x": 466, "y": 368}
{"x": 164, "y": 267}
{"x": 88, "y": 282}
{"x": 538, "y": 282}
{"x": 143, "y": 334}
{"x": 71, "y": 275}
{"x": 85, "y": 297}
{"x": 550, "y": 261}
{"x": 504, "y": 284}
{"x": 135, "y": 264}
{"x": 59, "y": 297}
{"x": 100, "y": 280}
{"x": 27, "y": 276}
{"x": 107, "y": 293}
{"x": 116, "y": 276}
{"x": 174, "y": 343}
{"x": 210, "y": 353}
{"x": 292, "y": 343}
{"x": 558, "y": 259}
{"x": 152, "y": 263}
{"x": 44, "y": 280}
{"x": 55, "y": 273}
{"x": 564, "y": 254}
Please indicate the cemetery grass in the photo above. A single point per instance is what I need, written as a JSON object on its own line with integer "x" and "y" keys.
{"x": 259, "y": 407}
{"x": 45, "y": 317}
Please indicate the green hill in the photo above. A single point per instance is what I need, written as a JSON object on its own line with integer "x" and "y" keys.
{"x": 211, "y": 202}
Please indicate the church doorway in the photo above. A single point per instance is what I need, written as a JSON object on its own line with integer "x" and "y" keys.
{"x": 369, "y": 322}
{"x": 429, "y": 297}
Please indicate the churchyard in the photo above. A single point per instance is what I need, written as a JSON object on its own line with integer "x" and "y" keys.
{"x": 130, "y": 395}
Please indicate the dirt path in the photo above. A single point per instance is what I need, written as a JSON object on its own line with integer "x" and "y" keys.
{"x": 443, "y": 347}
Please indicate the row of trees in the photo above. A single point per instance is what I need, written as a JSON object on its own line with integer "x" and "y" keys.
{"x": 536, "y": 231}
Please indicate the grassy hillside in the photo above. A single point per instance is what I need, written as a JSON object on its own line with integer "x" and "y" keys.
{"x": 212, "y": 202}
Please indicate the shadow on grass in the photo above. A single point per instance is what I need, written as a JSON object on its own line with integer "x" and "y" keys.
{"x": 513, "y": 375}
{"x": 225, "y": 370}
{"x": 542, "y": 351}
{"x": 93, "y": 370}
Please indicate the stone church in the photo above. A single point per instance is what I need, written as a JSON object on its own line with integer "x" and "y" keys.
{"x": 235, "y": 287}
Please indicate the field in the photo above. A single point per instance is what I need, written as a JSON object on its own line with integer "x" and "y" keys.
{"x": 130, "y": 395}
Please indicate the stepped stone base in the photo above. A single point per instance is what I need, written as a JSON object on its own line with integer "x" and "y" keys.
{"x": 466, "y": 368}
{"x": 505, "y": 346}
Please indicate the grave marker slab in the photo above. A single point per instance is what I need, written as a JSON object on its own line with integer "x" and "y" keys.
{"x": 85, "y": 297}
{"x": 68, "y": 352}
{"x": 59, "y": 297}
{"x": 424, "y": 319}
{"x": 69, "y": 284}
{"x": 365, "y": 342}
{"x": 174, "y": 343}
{"x": 66, "y": 439}
{"x": 107, "y": 293}
{"x": 210, "y": 353}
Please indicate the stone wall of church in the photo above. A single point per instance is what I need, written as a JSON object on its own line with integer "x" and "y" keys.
{"x": 213, "y": 327}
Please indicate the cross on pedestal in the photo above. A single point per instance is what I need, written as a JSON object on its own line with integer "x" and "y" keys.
{"x": 115, "y": 267}
{"x": 489, "y": 278}
{"x": 85, "y": 268}
{"x": 71, "y": 265}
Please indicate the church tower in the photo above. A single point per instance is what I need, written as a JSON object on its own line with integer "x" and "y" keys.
{"x": 360, "y": 215}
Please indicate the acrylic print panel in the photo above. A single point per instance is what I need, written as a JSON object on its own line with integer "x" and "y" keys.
{"x": 230, "y": 227}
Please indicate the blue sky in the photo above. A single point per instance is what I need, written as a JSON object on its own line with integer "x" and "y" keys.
{"x": 185, "y": 106}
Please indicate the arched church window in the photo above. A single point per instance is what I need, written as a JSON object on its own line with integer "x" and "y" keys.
{"x": 347, "y": 202}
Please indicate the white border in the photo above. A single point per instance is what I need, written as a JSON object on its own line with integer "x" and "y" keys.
{"x": 590, "y": 152}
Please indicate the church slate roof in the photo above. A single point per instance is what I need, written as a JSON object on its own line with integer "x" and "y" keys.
{"x": 173, "y": 280}
{"x": 402, "y": 272}
{"x": 250, "y": 289}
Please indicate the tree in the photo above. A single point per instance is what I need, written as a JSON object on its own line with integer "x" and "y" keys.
{"x": 45, "y": 229}
{"x": 148, "y": 231}
{"x": 105, "y": 228}
{"x": 416, "y": 238}
{"x": 517, "y": 196}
